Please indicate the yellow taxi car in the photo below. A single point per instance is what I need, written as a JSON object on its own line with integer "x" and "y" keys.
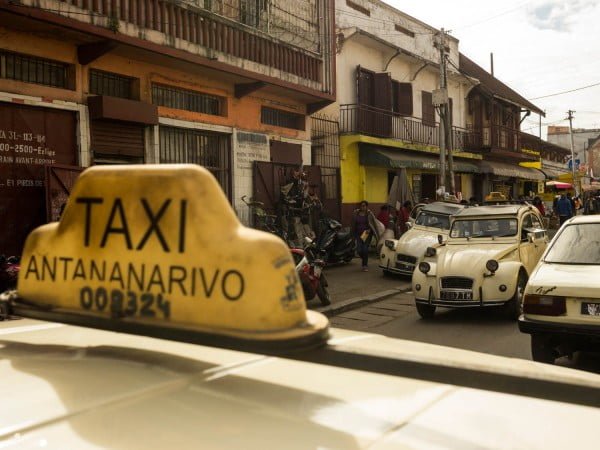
{"x": 400, "y": 256}
{"x": 562, "y": 298}
{"x": 150, "y": 318}
{"x": 486, "y": 261}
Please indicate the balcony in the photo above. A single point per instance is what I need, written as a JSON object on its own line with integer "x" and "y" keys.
{"x": 370, "y": 121}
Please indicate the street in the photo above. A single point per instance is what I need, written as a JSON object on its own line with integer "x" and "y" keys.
{"x": 487, "y": 331}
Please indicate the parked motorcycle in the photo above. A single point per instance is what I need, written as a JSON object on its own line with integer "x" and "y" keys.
{"x": 339, "y": 247}
{"x": 9, "y": 272}
{"x": 309, "y": 267}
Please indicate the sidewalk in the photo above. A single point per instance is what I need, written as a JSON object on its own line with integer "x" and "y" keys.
{"x": 350, "y": 287}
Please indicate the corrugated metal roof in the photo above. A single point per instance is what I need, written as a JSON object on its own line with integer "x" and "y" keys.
{"x": 494, "y": 86}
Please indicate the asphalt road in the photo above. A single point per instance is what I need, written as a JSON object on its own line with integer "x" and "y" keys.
{"x": 481, "y": 330}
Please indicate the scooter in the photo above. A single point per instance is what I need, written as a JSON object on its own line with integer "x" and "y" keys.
{"x": 9, "y": 272}
{"x": 339, "y": 247}
{"x": 309, "y": 268}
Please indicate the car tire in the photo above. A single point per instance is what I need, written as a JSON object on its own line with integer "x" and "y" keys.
{"x": 425, "y": 311}
{"x": 323, "y": 294}
{"x": 542, "y": 349}
{"x": 515, "y": 305}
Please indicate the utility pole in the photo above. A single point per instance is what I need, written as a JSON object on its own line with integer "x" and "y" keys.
{"x": 570, "y": 113}
{"x": 442, "y": 48}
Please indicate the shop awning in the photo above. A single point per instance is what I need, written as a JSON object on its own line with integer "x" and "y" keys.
{"x": 511, "y": 170}
{"x": 552, "y": 174}
{"x": 377, "y": 157}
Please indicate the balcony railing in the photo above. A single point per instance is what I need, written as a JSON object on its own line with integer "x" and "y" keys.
{"x": 494, "y": 137}
{"x": 370, "y": 121}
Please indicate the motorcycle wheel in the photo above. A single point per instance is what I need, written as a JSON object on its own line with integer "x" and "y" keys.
{"x": 323, "y": 293}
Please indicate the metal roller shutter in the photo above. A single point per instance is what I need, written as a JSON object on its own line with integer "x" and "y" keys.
{"x": 117, "y": 142}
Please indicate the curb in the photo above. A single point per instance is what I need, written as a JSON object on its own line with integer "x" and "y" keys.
{"x": 358, "y": 302}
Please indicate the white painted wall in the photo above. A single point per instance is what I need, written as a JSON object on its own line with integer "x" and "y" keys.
{"x": 373, "y": 55}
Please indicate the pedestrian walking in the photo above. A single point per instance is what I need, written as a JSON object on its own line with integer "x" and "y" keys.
{"x": 403, "y": 217}
{"x": 564, "y": 210}
{"x": 384, "y": 216}
{"x": 364, "y": 228}
{"x": 539, "y": 204}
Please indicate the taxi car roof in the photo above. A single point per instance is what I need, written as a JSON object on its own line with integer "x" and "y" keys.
{"x": 443, "y": 207}
{"x": 492, "y": 210}
{"x": 73, "y": 387}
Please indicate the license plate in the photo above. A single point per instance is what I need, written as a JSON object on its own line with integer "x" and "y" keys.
{"x": 590, "y": 309}
{"x": 456, "y": 295}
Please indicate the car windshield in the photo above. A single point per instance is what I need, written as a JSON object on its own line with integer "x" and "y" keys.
{"x": 576, "y": 244}
{"x": 429, "y": 219}
{"x": 480, "y": 228}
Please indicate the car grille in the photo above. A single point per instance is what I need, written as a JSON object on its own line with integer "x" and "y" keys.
{"x": 406, "y": 259}
{"x": 457, "y": 283}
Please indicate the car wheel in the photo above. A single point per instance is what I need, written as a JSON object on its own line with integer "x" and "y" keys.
{"x": 425, "y": 311}
{"x": 542, "y": 350}
{"x": 515, "y": 304}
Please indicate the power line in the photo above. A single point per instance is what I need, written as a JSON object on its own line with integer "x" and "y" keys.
{"x": 566, "y": 92}
{"x": 494, "y": 17}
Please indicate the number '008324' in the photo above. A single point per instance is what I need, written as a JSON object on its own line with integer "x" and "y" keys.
{"x": 128, "y": 304}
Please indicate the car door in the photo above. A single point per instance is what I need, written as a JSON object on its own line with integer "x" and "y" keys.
{"x": 527, "y": 248}
{"x": 540, "y": 236}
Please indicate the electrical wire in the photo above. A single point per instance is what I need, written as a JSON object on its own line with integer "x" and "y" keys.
{"x": 566, "y": 92}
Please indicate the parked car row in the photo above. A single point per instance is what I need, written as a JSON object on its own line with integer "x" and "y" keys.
{"x": 500, "y": 255}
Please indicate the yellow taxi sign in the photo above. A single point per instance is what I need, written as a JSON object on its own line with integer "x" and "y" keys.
{"x": 159, "y": 245}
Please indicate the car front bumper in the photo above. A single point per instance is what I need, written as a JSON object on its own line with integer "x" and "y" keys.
{"x": 460, "y": 303}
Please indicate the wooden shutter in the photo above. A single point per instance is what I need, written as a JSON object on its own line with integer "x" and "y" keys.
{"x": 403, "y": 99}
{"x": 364, "y": 87}
{"x": 117, "y": 138}
{"x": 428, "y": 112}
{"x": 383, "y": 91}
{"x": 450, "y": 115}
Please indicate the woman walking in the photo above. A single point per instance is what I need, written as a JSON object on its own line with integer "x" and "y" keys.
{"x": 363, "y": 229}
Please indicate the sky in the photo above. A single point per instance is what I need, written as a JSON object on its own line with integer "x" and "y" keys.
{"x": 540, "y": 47}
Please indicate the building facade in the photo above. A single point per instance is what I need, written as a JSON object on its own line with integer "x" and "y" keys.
{"x": 388, "y": 72}
{"x": 220, "y": 83}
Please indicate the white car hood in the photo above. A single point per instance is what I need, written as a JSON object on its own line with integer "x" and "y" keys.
{"x": 69, "y": 387}
{"x": 453, "y": 259}
{"x": 582, "y": 278}
{"x": 415, "y": 241}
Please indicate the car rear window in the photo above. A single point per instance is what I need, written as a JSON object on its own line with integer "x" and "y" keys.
{"x": 576, "y": 244}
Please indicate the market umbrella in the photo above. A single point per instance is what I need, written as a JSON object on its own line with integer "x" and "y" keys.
{"x": 559, "y": 185}
{"x": 400, "y": 190}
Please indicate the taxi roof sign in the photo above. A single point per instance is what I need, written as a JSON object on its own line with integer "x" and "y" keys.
{"x": 157, "y": 250}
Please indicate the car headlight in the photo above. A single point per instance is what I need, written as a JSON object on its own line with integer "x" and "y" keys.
{"x": 430, "y": 251}
{"x": 390, "y": 244}
{"x": 424, "y": 267}
{"x": 491, "y": 265}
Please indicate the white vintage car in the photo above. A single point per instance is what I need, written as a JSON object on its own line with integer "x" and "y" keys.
{"x": 562, "y": 298}
{"x": 486, "y": 261}
{"x": 400, "y": 256}
{"x": 184, "y": 341}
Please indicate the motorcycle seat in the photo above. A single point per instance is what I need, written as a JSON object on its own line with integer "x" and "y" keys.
{"x": 343, "y": 235}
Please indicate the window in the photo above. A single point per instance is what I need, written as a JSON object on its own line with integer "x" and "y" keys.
{"x": 208, "y": 149}
{"x": 428, "y": 111}
{"x": 402, "y": 98}
{"x": 31, "y": 69}
{"x": 106, "y": 83}
{"x": 279, "y": 118}
{"x": 358, "y": 8}
{"x": 406, "y": 31}
{"x": 188, "y": 100}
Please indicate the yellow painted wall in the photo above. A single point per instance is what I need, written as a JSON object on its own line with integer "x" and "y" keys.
{"x": 376, "y": 183}
{"x": 350, "y": 170}
{"x": 467, "y": 185}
